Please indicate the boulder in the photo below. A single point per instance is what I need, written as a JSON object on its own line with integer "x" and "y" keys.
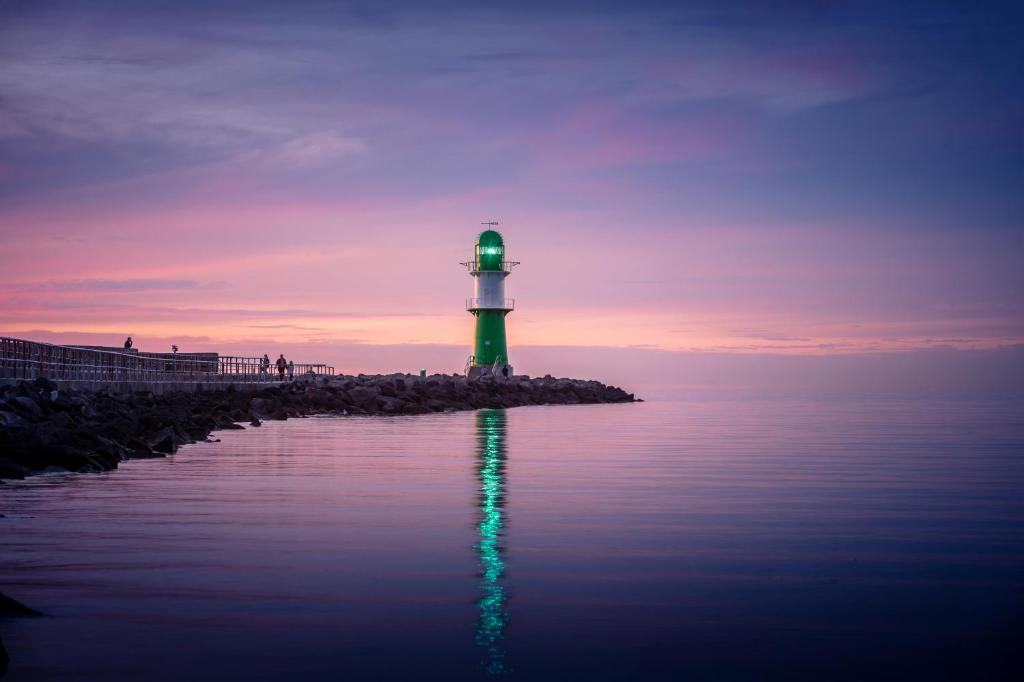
{"x": 67, "y": 456}
{"x": 415, "y": 408}
{"x": 112, "y": 450}
{"x": 436, "y": 405}
{"x": 390, "y": 405}
{"x": 164, "y": 441}
{"x": 11, "y": 469}
{"x": 61, "y": 420}
{"x": 12, "y": 420}
{"x": 267, "y": 408}
{"x": 201, "y": 425}
{"x": 259, "y": 407}
{"x": 364, "y": 397}
{"x": 26, "y": 406}
{"x": 44, "y": 385}
{"x": 13, "y": 607}
{"x": 319, "y": 397}
{"x": 182, "y": 437}
{"x": 140, "y": 449}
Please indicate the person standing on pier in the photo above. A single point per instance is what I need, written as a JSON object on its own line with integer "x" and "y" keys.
{"x": 264, "y": 365}
{"x": 282, "y": 366}
{"x": 291, "y": 370}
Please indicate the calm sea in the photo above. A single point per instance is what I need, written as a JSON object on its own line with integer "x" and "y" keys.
{"x": 701, "y": 540}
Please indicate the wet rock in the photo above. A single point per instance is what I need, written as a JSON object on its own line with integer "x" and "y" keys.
{"x": 182, "y": 437}
{"x": 112, "y": 451}
{"x": 140, "y": 449}
{"x": 200, "y": 426}
{"x": 259, "y": 407}
{"x": 164, "y": 441}
{"x": 44, "y": 385}
{"x": 320, "y": 397}
{"x": 364, "y": 397}
{"x": 61, "y": 420}
{"x": 26, "y": 406}
{"x": 415, "y": 408}
{"x": 13, "y": 607}
{"x": 436, "y": 405}
{"x": 69, "y": 457}
{"x": 12, "y": 420}
{"x": 11, "y": 469}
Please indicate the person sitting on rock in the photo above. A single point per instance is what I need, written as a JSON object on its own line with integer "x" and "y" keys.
{"x": 282, "y": 366}
{"x": 128, "y": 343}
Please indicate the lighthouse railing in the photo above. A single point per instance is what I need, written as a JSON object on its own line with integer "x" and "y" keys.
{"x": 479, "y": 304}
{"x": 473, "y": 266}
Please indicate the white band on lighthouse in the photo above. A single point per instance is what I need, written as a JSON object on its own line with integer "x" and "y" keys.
{"x": 489, "y": 288}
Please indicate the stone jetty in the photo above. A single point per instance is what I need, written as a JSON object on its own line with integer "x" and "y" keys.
{"x": 45, "y": 426}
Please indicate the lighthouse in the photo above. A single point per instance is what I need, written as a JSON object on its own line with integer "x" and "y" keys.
{"x": 489, "y": 305}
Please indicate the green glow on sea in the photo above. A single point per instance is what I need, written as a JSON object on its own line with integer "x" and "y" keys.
{"x": 490, "y": 632}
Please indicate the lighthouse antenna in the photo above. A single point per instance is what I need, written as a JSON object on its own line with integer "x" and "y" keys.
{"x": 490, "y": 223}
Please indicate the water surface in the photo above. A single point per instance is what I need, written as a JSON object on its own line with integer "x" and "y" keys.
{"x": 699, "y": 540}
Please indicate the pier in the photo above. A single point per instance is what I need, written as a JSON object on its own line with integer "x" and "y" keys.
{"x": 129, "y": 370}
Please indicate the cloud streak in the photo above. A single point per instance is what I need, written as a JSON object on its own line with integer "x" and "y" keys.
{"x": 113, "y": 285}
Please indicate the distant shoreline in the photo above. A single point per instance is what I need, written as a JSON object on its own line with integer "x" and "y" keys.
{"x": 44, "y": 425}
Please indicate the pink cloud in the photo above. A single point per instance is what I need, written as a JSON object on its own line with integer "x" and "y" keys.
{"x": 784, "y": 80}
{"x": 601, "y": 135}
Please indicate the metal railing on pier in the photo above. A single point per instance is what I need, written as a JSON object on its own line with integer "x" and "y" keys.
{"x": 21, "y": 359}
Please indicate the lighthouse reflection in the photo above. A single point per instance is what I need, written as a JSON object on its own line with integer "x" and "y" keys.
{"x": 492, "y": 617}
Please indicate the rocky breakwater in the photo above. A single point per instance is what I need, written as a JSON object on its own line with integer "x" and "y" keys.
{"x": 44, "y": 426}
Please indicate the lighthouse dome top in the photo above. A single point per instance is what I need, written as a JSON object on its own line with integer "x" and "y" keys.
{"x": 490, "y": 238}
{"x": 490, "y": 251}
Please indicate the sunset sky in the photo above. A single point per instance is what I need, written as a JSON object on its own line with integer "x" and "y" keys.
{"x": 676, "y": 178}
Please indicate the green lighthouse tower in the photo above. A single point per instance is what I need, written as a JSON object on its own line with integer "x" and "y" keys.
{"x": 489, "y": 305}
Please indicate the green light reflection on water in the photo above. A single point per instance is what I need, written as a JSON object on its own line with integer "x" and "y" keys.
{"x": 490, "y": 632}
